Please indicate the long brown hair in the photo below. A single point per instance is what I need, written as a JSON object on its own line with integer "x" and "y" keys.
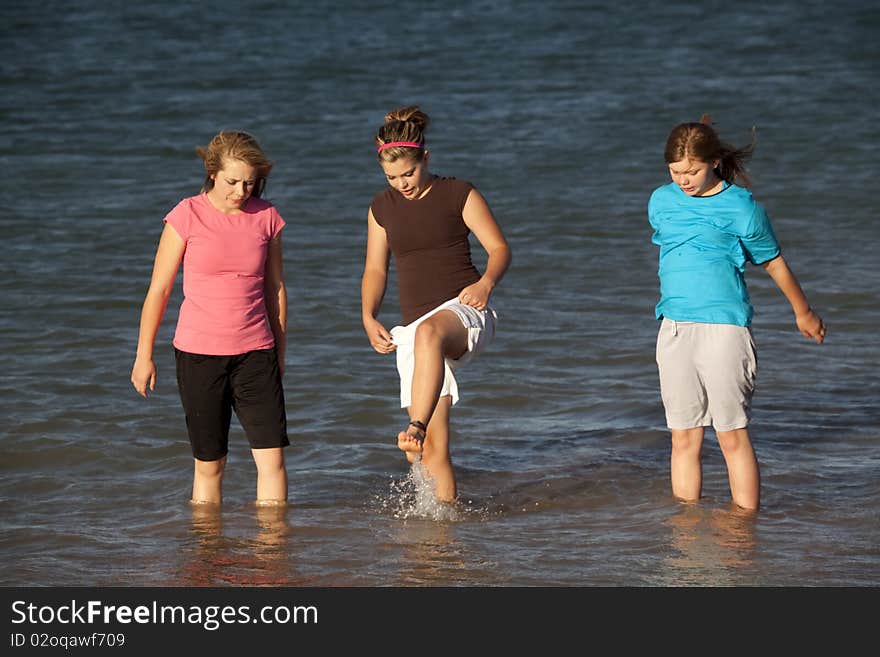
{"x": 699, "y": 141}
{"x": 234, "y": 145}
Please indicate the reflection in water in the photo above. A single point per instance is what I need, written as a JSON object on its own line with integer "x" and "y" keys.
{"x": 430, "y": 552}
{"x": 430, "y": 555}
{"x": 260, "y": 558}
{"x": 271, "y": 546}
{"x": 711, "y": 547}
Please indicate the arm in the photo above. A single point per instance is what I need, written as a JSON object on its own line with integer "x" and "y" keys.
{"x": 373, "y": 285}
{"x": 276, "y": 299}
{"x": 479, "y": 218}
{"x": 808, "y": 322}
{"x": 169, "y": 254}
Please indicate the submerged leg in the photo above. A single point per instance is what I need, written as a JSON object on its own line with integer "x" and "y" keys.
{"x": 742, "y": 467}
{"x": 208, "y": 480}
{"x": 271, "y": 475}
{"x": 686, "y": 463}
{"x": 436, "y": 458}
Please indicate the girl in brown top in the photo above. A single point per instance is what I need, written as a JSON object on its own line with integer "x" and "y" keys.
{"x": 424, "y": 221}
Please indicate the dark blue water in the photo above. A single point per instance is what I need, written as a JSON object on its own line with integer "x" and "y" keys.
{"x": 558, "y": 113}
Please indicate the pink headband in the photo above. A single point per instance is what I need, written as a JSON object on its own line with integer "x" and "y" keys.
{"x": 392, "y": 144}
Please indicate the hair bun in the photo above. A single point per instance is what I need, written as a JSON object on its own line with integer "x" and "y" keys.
{"x": 411, "y": 114}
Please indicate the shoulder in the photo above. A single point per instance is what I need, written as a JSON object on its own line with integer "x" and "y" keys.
{"x": 454, "y": 182}
{"x": 181, "y": 216}
{"x": 454, "y": 190}
{"x": 663, "y": 195}
{"x": 259, "y": 205}
{"x": 262, "y": 209}
{"x": 266, "y": 215}
{"x": 184, "y": 207}
{"x": 735, "y": 198}
{"x": 191, "y": 202}
{"x": 739, "y": 202}
{"x": 381, "y": 202}
{"x": 664, "y": 191}
{"x": 739, "y": 195}
{"x": 454, "y": 185}
{"x": 383, "y": 197}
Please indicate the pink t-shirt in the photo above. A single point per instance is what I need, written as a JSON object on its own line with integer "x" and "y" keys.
{"x": 224, "y": 308}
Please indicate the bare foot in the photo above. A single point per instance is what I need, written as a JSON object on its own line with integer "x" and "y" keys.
{"x": 410, "y": 441}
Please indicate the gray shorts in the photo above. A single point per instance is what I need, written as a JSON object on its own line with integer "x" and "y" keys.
{"x": 707, "y": 374}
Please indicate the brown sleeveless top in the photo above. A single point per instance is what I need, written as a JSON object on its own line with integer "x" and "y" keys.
{"x": 429, "y": 241}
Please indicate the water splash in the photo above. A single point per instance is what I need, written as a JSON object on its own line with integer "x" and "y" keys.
{"x": 413, "y": 497}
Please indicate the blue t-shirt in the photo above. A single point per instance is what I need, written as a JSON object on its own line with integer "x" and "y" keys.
{"x": 705, "y": 243}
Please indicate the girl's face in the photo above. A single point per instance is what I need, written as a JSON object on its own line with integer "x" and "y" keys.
{"x": 408, "y": 176}
{"x": 695, "y": 177}
{"x": 233, "y": 186}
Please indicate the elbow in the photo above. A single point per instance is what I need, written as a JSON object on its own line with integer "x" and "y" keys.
{"x": 159, "y": 294}
{"x": 275, "y": 287}
{"x": 504, "y": 254}
{"x": 374, "y": 275}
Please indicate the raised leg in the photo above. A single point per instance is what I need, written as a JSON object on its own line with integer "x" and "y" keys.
{"x": 438, "y": 337}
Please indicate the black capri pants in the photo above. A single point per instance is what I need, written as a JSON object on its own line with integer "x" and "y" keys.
{"x": 211, "y": 387}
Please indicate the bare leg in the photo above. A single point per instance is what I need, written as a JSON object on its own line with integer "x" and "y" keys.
{"x": 438, "y": 337}
{"x": 686, "y": 463}
{"x": 271, "y": 475}
{"x": 208, "y": 480}
{"x": 742, "y": 467}
{"x": 435, "y": 453}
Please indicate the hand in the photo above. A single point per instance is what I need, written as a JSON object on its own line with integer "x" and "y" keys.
{"x": 476, "y": 295}
{"x": 379, "y": 336}
{"x": 811, "y": 326}
{"x": 143, "y": 374}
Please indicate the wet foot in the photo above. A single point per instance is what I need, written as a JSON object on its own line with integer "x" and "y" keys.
{"x": 410, "y": 441}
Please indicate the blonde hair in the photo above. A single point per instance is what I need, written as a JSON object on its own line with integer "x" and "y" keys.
{"x": 234, "y": 145}
{"x": 407, "y": 124}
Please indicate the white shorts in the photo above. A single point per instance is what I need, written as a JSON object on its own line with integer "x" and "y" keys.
{"x": 707, "y": 374}
{"x": 480, "y": 325}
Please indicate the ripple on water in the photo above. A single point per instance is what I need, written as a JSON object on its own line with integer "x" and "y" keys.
{"x": 413, "y": 497}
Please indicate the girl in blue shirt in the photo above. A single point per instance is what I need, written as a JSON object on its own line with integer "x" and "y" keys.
{"x": 708, "y": 227}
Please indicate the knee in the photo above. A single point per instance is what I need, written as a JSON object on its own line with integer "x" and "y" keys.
{"x": 271, "y": 468}
{"x": 269, "y": 461}
{"x": 428, "y": 336}
{"x": 210, "y": 469}
{"x": 733, "y": 441}
{"x": 686, "y": 441}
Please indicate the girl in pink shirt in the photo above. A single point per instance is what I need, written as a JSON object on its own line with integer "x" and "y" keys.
{"x": 231, "y": 331}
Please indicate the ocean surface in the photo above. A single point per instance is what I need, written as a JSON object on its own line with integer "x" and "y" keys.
{"x": 557, "y": 111}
